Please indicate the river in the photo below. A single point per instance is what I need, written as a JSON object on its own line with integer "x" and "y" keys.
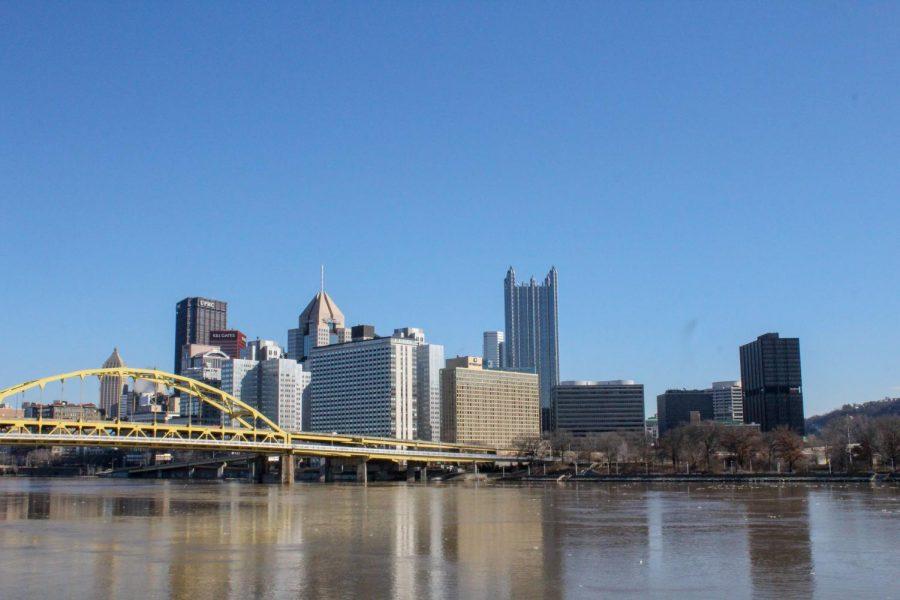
{"x": 87, "y": 538}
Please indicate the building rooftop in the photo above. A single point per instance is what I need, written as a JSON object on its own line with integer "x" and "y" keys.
{"x": 321, "y": 310}
{"x": 589, "y": 382}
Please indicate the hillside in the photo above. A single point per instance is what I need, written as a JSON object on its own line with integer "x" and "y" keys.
{"x": 877, "y": 408}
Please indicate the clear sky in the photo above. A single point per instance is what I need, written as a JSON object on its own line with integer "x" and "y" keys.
{"x": 699, "y": 173}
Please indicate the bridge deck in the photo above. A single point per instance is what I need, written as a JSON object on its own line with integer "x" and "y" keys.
{"x": 168, "y": 436}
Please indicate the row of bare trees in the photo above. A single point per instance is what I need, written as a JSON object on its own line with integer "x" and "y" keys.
{"x": 713, "y": 447}
{"x": 854, "y": 442}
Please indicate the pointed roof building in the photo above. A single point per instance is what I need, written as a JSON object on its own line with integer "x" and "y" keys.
{"x": 114, "y": 361}
{"x": 111, "y": 385}
{"x": 320, "y": 311}
{"x": 321, "y": 323}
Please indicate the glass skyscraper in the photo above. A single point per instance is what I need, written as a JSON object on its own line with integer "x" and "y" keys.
{"x": 773, "y": 386}
{"x": 532, "y": 330}
{"x": 195, "y": 318}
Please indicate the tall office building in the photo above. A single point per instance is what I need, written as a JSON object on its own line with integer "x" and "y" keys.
{"x": 195, "y": 318}
{"x": 532, "y": 331}
{"x": 366, "y": 387}
{"x": 773, "y": 387}
{"x": 588, "y": 407}
{"x": 321, "y": 323}
{"x": 429, "y": 362}
{"x": 728, "y": 402}
{"x": 111, "y": 386}
{"x": 276, "y": 387}
{"x": 674, "y": 407}
{"x": 493, "y": 350}
{"x": 490, "y": 407}
{"x": 231, "y": 341}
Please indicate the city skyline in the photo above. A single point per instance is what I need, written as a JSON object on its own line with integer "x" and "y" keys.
{"x": 475, "y": 348}
{"x": 718, "y": 180}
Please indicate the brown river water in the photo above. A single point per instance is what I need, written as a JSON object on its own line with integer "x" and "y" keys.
{"x": 85, "y": 538}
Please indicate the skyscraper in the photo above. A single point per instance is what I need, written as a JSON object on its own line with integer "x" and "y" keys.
{"x": 588, "y": 407}
{"x": 275, "y": 386}
{"x": 364, "y": 387}
{"x": 728, "y": 402}
{"x": 111, "y": 386}
{"x": 195, "y": 318}
{"x": 491, "y": 407}
{"x": 429, "y": 362}
{"x": 493, "y": 350}
{"x": 674, "y": 407}
{"x": 321, "y": 323}
{"x": 773, "y": 388}
{"x": 532, "y": 330}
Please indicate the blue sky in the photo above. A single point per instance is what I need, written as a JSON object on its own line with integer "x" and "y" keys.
{"x": 699, "y": 173}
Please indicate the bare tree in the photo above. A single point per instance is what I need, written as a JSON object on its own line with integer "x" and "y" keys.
{"x": 672, "y": 444}
{"x": 863, "y": 429}
{"x": 610, "y": 444}
{"x": 787, "y": 446}
{"x": 529, "y": 446}
{"x": 741, "y": 442}
{"x": 705, "y": 437}
{"x": 643, "y": 449}
{"x": 887, "y": 439}
{"x": 837, "y": 436}
{"x": 560, "y": 442}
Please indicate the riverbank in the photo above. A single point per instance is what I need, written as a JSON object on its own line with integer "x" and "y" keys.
{"x": 724, "y": 478}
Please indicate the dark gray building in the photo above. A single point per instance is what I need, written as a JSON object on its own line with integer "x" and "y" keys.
{"x": 674, "y": 407}
{"x": 532, "y": 330}
{"x": 195, "y": 318}
{"x": 588, "y": 407}
{"x": 773, "y": 389}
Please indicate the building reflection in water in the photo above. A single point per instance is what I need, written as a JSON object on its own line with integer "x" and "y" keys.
{"x": 778, "y": 540}
{"x": 70, "y": 538}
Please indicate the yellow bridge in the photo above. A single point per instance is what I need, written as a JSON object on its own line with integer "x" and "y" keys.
{"x": 249, "y": 429}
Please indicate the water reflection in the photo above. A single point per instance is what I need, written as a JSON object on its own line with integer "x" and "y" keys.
{"x": 176, "y": 540}
{"x": 778, "y": 539}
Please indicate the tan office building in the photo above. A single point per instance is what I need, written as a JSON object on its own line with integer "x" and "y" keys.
{"x": 490, "y": 407}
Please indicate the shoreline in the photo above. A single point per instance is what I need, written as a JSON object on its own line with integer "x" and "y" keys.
{"x": 744, "y": 478}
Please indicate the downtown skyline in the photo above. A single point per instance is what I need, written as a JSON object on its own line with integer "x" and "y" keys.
{"x": 238, "y": 319}
{"x": 691, "y": 199}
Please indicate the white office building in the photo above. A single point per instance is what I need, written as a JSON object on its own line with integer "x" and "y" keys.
{"x": 275, "y": 387}
{"x": 429, "y": 362}
{"x": 366, "y": 387}
{"x": 262, "y": 350}
{"x": 728, "y": 402}
{"x": 493, "y": 350}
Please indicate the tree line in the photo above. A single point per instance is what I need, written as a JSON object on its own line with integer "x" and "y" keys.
{"x": 845, "y": 445}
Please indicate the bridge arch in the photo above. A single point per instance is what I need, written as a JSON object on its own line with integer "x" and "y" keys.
{"x": 230, "y": 406}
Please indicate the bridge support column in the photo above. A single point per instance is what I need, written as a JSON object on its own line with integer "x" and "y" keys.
{"x": 287, "y": 469}
{"x": 410, "y": 472}
{"x": 423, "y": 473}
{"x": 220, "y": 471}
{"x": 325, "y": 474}
{"x": 362, "y": 471}
{"x": 258, "y": 466}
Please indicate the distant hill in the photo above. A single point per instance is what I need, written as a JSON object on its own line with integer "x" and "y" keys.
{"x": 877, "y": 408}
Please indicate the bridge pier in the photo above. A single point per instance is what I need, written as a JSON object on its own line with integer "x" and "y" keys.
{"x": 288, "y": 469}
{"x": 325, "y": 474}
{"x": 423, "y": 473}
{"x": 362, "y": 471}
{"x": 258, "y": 466}
{"x": 410, "y": 472}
